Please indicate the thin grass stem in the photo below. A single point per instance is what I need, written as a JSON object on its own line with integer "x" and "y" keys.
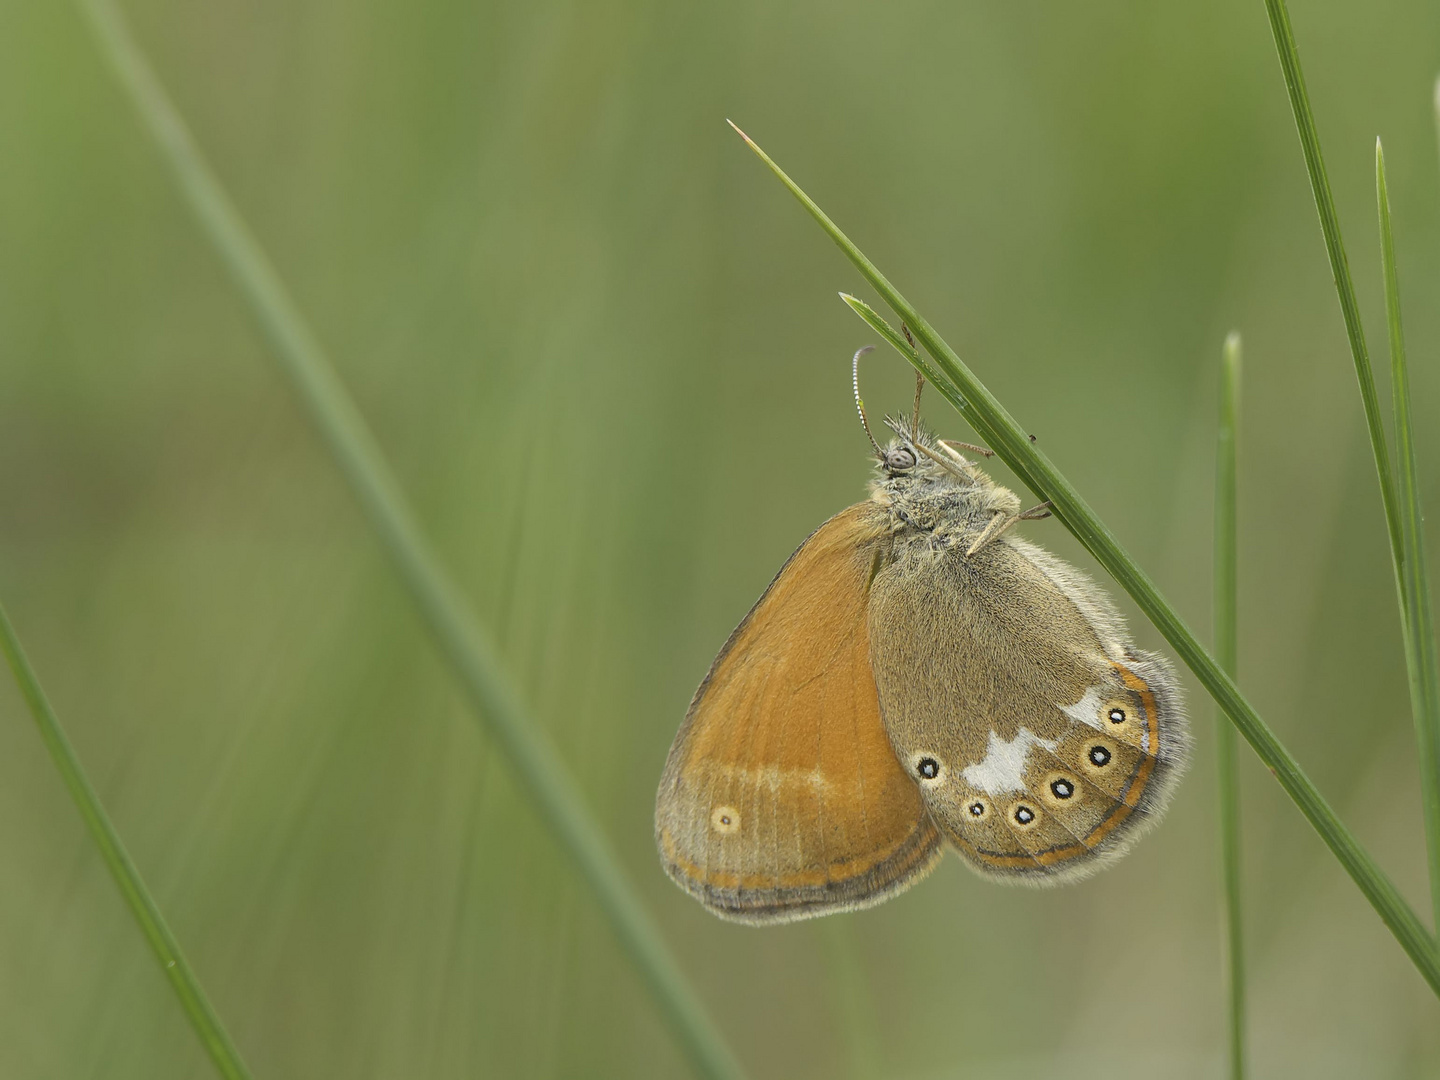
{"x": 1401, "y": 550}
{"x": 1339, "y": 266}
{"x": 1436, "y": 103}
{"x": 1416, "y": 617}
{"x": 465, "y": 644}
{"x": 1227, "y": 655}
{"x": 1010, "y": 441}
{"x": 193, "y": 999}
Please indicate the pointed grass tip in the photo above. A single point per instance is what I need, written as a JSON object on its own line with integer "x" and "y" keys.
{"x": 739, "y": 132}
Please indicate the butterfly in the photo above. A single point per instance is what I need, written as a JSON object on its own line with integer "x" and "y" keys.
{"x": 916, "y": 674}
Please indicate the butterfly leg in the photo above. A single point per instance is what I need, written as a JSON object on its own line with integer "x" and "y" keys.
{"x": 993, "y": 531}
{"x": 951, "y": 462}
{"x": 951, "y": 444}
{"x": 1003, "y": 521}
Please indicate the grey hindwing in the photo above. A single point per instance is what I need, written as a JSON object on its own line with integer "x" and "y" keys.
{"x": 1042, "y": 741}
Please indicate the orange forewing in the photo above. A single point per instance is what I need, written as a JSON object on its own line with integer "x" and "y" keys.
{"x": 781, "y": 797}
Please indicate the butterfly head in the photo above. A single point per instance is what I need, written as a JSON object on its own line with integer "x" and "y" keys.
{"x": 905, "y": 455}
{"x": 914, "y": 455}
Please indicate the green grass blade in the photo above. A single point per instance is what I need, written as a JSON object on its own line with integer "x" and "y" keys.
{"x": 1012, "y": 444}
{"x": 158, "y": 935}
{"x": 539, "y": 767}
{"x": 1416, "y": 617}
{"x": 1437, "y": 113}
{"x": 1226, "y": 654}
{"x": 1339, "y": 266}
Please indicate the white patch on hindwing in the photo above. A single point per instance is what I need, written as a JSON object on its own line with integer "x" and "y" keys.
{"x": 1003, "y": 769}
{"x": 1087, "y": 709}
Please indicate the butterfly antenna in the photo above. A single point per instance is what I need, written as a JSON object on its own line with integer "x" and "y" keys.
{"x": 860, "y": 405}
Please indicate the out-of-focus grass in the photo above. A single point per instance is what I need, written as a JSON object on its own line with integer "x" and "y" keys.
{"x": 189, "y": 994}
{"x": 1418, "y": 623}
{"x": 1227, "y": 655}
{"x": 467, "y": 646}
{"x": 590, "y": 336}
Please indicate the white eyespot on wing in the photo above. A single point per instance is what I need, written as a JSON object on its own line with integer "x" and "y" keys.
{"x": 1003, "y": 768}
{"x": 1087, "y": 709}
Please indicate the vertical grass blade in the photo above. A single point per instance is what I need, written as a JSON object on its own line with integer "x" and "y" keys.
{"x": 1416, "y": 617}
{"x": 1226, "y": 655}
{"x": 538, "y": 766}
{"x": 158, "y": 935}
{"x": 1437, "y": 113}
{"x": 1339, "y": 265}
{"x": 1009, "y": 440}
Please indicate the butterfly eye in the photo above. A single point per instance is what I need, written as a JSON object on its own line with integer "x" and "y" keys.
{"x": 900, "y": 458}
{"x": 928, "y": 768}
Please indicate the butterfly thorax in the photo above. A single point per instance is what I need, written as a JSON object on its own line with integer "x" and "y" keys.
{"x": 932, "y": 493}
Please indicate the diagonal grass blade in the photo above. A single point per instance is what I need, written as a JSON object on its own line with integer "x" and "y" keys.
{"x": 202, "y": 1015}
{"x": 1008, "y": 439}
{"x": 1417, "y": 620}
{"x": 538, "y": 765}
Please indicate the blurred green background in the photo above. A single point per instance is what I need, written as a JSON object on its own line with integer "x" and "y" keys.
{"x": 604, "y": 351}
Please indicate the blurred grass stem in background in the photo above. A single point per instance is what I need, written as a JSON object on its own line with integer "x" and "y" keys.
{"x": 467, "y": 647}
{"x": 1416, "y": 618}
{"x": 163, "y": 943}
{"x": 1227, "y": 654}
{"x": 1011, "y": 443}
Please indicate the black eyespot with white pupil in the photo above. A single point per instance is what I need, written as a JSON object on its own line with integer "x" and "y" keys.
{"x": 1024, "y": 815}
{"x": 928, "y": 767}
{"x": 1099, "y": 756}
{"x": 1062, "y": 788}
{"x": 977, "y": 809}
{"x": 1117, "y": 716}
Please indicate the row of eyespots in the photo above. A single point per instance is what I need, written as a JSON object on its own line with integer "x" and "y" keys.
{"x": 726, "y": 819}
{"x": 1061, "y": 789}
{"x": 1022, "y": 813}
{"x": 1096, "y": 756}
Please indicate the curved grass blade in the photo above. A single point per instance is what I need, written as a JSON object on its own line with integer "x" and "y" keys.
{"x": 465, "y": 644}
{"x": 1417, "y": 621}
{"x": 1227, "y": 655}
{"x": 1339, "y": 266}
{"x": 202, "y": 1015}
{"x": 1010, "y": 442}
{"x": 1401, "y": 550}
